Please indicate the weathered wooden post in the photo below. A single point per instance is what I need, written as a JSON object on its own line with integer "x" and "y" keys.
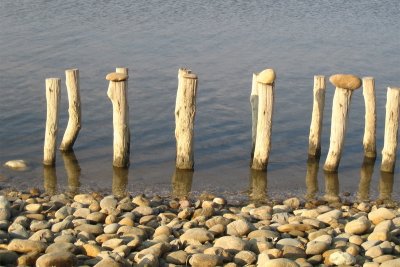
{"x": 258, "y": 186}
{"x": 117, "y": 92}
{"x": 386, "y": 186}
{"x": 391, "y": 129}
{"x": 369, "y": 140}
{"x": 120, "y": 181}
{"x": 185, "y": 111}
{"x": 331, "y": 187}
{"x": 345, "y": 85}
{"x": 254, "y": 113}
{"x": 314, "y": 140}
{"x": 53, "y": 96}
{"x": 181, "y": 183}
{"x": 73, "y": 170}
{"x": 312, "y": 177}
{"x": 74, "y": 109}
{"x": 265, "y": 88}
{"x": 367, "y": 169}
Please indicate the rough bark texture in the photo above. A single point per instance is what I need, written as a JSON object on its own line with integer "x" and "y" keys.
{"x": 185, "y": 111}
{"x": 391, "y": 129}
{"x": 314, "y": 144}
{"x": 120, "y": 181}
{"x": 341, "y": 102}
{"x": 117, "y": 92}
{"x": 258, "y": 186}
{"x": 74, "y": 109}
{"x": 369, "y": 140}
{"x": 264, "y": 126}
{"x": 53, "y": 95}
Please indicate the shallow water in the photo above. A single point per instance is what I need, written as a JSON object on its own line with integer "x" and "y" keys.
{"x": 223, "y": 43}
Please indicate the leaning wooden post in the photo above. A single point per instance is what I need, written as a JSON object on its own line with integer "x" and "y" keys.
{"x": 74, "y": 109}
{"x": 53, "y": 96}
{"x": 254, "y": 112}
{"x": 314, "y": 140}
{"x": 369, "y": 140}
{"x": 345, "y": 85}
{"x": 185, "y": 110}
{"x": 117, "y": 91}
{"x": 391, "y": 129}
{"x": 265, "y": 86}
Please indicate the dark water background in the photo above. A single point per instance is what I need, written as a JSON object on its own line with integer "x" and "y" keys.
{"x": 223, "y": 42}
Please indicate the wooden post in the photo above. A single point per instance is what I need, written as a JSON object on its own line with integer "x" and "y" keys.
{"x": 185, "y": 111}
{"x": 367, "y": 169}
{"x": 49, "y": 180}
{"x": 258, "y": 186}
{"x": 265, "y": 87}
{"x": 314, "y": 143}
{"x": 254, "y": 113}
{"x": 331, "y": 187}
{"x": 74, "y": 109}
{"x": 312, "y": 177}
{"x": 117, "y": 92}
{"x": 73, "y": 171}
{"x": 120, "y": 181}
{"x": 345, "y": 84}
{"x": 181, "y": 183}
{"x": 53, "y": 96}
{"x": 369, "y": 140}
{"x": 391, "y": 129}
{"x": 386, "y": 186}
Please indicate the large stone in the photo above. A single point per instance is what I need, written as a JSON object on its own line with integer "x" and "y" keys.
{"x": 239, "y": 228}
{"x": 391, "y": 263}
{"x": 56, "y": 259}
{"x": 345, "y": 81}
{"x": 230, "y": 243}
{"x": 374, "y": 252}
{"x": 381, "y": 231}
{"x": 380, "y": 215}
{"x": 108, "y": 204}
{"x": 267, "y": 76}
{"x": 18, "y": 164}
{"x": 95, "y": 229}
{"x": 85, "y": 199}
{"x": 44, "y": 235}
{"x": 290, "y": 252}
{"x": 265, "y": 262}
{"x": 316, "y": 247}
{"x": 203, "y": 260}
{"x": 5, "y": 211}
{"x": 197, "y": 234}
{"x": 342, "y": 258}
{"x": 289, "y": 242}
{"x": 358, "y": 226}
{"x": 177, "y": 257}
{"x": 62, "y": 247}
{"x": 268, "y": 234}
{"x": 26, "y": 246}
{"x": 116, "y": 77}
{"x": 329, "y": 216}
{"x": 245, "y": 257}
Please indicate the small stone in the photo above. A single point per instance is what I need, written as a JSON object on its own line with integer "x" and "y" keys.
{"x": 108, "y": 204}
{"x": 28, "y": 259}
{"x": 374, "y": 252}
{"x": 43, "y": 235}
{"x": 293, "y": 203}
{"x": 345, "y": 81}
{"x": 380, "y": 215}
{"x": 358, "y": 226}
{"x": 112, "y": 243}
{"x": 203, "y": 260}
{"x": 198, "y": 234}
{"x": 82, "y": 213}
{"x": 177, "y": 257}
{"x": 5, "y": 212}
{"x": 329, "y": 216}
{"x": 62, "y": 247}
{"x": 267, "y": 76}
{"x": 63, "y": 212}
{"x": 26, "y": 246}
{"x": 316, "y": 247}
{"x": 111, "y": 228}
{"x": 391, "y": 263}
{"x": 91, "y": 250}
{"x": 356, "y": 239}
{"x": 276, "y": 263}
{"x": 85, "y": 199}
{"x": 290, "y": 252}
{"x": 239, "y": 228}
{"x": 342, "y": 258}
{"x": 381, "y": 231}
{"x": 143, "y": 210}
{"x": 34, "y": 207}
{"x": 286, "y": 228}
{"x": 96, "y": 216}
{"x": 268, "y": 234}
{"x": 230, "y": 243}
{"x": 18, "y": 165}
{"x": 288, "y": 242}
{"x": 56, "y": 259}
{"x": 245, "y": 257}
{"x": 116, "y": 77}
{"x": 95, "y": 229}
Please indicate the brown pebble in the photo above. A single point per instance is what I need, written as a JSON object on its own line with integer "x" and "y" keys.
{"x": 345, "y": 81}
{"x": 116, "y": 77}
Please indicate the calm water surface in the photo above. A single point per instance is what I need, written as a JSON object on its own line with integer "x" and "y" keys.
{"x": 223, "y": 42}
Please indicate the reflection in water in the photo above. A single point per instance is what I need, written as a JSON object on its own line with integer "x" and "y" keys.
{"x": 181, "y": 183}
{"x": 73, "y": 170}
{"x": 120, "y": 181}
{"x": 312, "y": 177}
{"x": 331, "y": 187}
{"x": 258, "y": 186}
{"x": 49, "y": 180}
{"x": 367, "y": 169}
{"x": 386, "y": 186}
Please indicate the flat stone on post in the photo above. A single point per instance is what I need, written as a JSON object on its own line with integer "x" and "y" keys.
{"x": 346, "y": 81}
{"x": 267, "y": 76}
{"x": 116, "y": 77}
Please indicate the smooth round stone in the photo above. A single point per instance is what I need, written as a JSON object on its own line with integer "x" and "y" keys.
{"x": 316, "y": 247}
{"x": 5, "y": 212}
{"x": 177, "y": 257}
{"x": 329, "y": 216}
{"x": 111, "y": 228}
{"x": 324, "y": 238}
{"x": 293, "y": 202}
{"x": 239, "y": 228}
{"x": 56, "y": 259}
{"x": 198, "y": 234}
{"x": 342, "y": 258}
{"x": 35, "y": 207}
{"x": 245, "y": 257}
{"x": 18, "y": 164}
{"x": 143, "y": 210}
{"x": 293, "y": 253}
{"x": 35, "y": 216}
{"x": 127, "y": 221}
{"x": 108, "y": 204}
{"x": 94, "y": 206}
{"x": 286, "y": 228}
{"x": 91, "y": 250}
{"x": 265, "y": 262}
{"x": 356, "y": 239}
{"x": 380, "y": 215}
{"x": 43, "y": 234}
{"x": 358, "y": 226}
{"x": 230, "y": 243}
{"x": 345, "y": 81}
{"x": 162, "y": 230}
{"x": 65, "y": 238}
{"x": 267, "y": 76}
{"x": 262, "y": 213}
{"x": 391, "y": 263}
{"x": 90, "y": 228}
{"x": 384, "y": 258}
{"x": 97, "y": 216}
{"x": 82, "y": 213}
{"x": 8, "y": 257}
{"x": 268, "y": 234}
{"x": 62, "y": 247}
{"x": 39, "y": 225}
{"x": 28, "y": 259}
{"x": 199, "y": 260}
{"x": 65, "y": 224}
{"x": 113, "y": 243}
{"x": 374, "y": 252}
{"x": 85, "y": 199}
{"x": 116, "y": 77}
{"x": 26, "y": 246}
{"x": 289, "y": 242}
{"x": 217, "y": 220}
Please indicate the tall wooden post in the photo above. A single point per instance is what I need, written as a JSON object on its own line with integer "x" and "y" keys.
{"x": 185, "y": 111}
{"x": 386, "y": 186}
{"x": 345, "y": 84}
{"x": 369, "y": 140}
{"x": 331, "y": 187}
{"x": 254, "y": 112}
{"x": 258, "y": 192}
{"x": 391, "y": 129}
{"x": 314, "y": 140}
{"x": 74, "y": 109}
{"x": 120, "y": 181}
{"x": 53, "y": 96}
{"x": 265, "y": 88}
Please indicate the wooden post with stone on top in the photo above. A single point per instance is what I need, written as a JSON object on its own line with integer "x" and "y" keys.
{"x": 369, "y": 140}
{"x": 117, "y": 92}
{"x": 391, "y": 129}
{"x": 314, "y": 140}
{"x": 53, "y": 96}
{"x": 185, "y": 111}
{"x": 74, "y": 110}
{"x": 265, "y": 88}
{"x": 254, "y": 112}
{"x": 345, "y": 85}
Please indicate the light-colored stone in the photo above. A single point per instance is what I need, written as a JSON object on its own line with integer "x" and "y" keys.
{"x": 5, "y": 212}
{"x": 391, "y": 263}
{"x": 203, "y": 260}
{"x": 381, "y": 231}
{"x": 342, "y": 258}
{"x": 289, "y": 242}
{"x": 374, "y": 252}
{"x": 239, "y": 228}
{"x": 91, "y": 250}
{"x": 329, "y": 216}
{"x": 275, "y": 262}
{"x": 116, "y": 77}
{"x": 18, "y": 164}
{"x": 267, "y": 76}
{"x": 26, "y": 246}
{"x": 316, "y": 247}
{"x": 380, "y": 215}
{"x": 345, "y": 81}
{"x": 108, "y": 204}
{"x": 111, "y": 228}
{"x": 95, "y": 229}
{"x": 197, "y": 234}
{"x": 230, "y": 243}
{"x": 179, "y": 257}
{"x": 245, "y": 257}
{"x": 62, "y": 247}
{"x": 358, "y": 226}
{"x": 34, "y": 207}
{"x": 85, "y": 199}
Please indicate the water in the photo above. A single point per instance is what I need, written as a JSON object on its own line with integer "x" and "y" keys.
{"x": 223, "y": 42}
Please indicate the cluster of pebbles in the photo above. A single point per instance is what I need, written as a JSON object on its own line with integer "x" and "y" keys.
{"x": 92, "y": 230}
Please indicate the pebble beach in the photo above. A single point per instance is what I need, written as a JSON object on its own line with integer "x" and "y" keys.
{"x": 105, "y": 230}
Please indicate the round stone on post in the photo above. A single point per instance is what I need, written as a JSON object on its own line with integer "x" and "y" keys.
{"x": 314, "y": 140}
{"x": 345, "y": 85}
{"x": 265, "y": 88}
{"x": 369, "y": 140}
{"x": 74, "y": 110}
{"x": 53, "y": 96}
{"x": 185, "y": 111}
{"x": 117, "y": 92}
{"x": 391, "y": 129}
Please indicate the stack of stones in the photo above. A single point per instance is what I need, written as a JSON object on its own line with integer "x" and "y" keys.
{"x": 91, "y": 230}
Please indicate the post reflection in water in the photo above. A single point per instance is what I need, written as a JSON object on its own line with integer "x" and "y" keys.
{"x": 367, "y": 169}
{"x": 258, "y": 186}
{"x": 73, "y": 171}
{"x": 181, "y": 183}
{"x": 49, "y": 180}
{"x": 312, "y": 178}
{"x": 120, "y": 181}
{"x": 386, "y": 186}
{"x": 331, "y": 187}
